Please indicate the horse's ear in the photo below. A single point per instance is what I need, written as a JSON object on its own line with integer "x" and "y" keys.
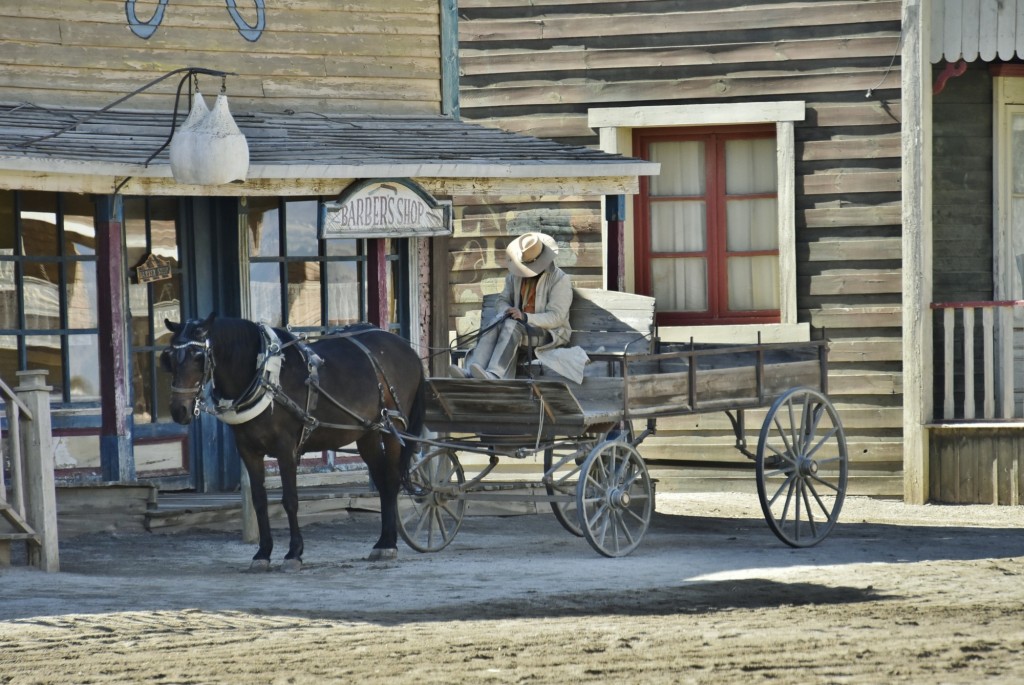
{"x": 205, "y": 326}
{"x": 172, "y": 326}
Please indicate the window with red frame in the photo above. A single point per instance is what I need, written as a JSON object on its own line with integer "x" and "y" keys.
{"x": 707, "y": 245}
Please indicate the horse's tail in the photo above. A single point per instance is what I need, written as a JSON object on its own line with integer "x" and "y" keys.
{"x": 414, "y": 427}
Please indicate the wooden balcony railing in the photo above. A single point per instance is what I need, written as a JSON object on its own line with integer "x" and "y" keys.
{"x": 976, "y": 363}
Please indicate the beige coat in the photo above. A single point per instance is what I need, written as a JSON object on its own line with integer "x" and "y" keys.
{"x": 554, "y": 297}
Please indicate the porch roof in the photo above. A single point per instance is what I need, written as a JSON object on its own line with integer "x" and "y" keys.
{"x": 116, "y": 144}
{"x": 968, "y": 30}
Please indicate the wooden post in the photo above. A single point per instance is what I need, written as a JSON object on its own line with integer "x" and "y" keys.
{"x": 615, "y": 215}
{"x": 37, "y": 446}
{"x": 918, "y": 370}
{"x": 377, "y": 282}
{"x": 116, "y": 456}
{"x": 250, "y": 530}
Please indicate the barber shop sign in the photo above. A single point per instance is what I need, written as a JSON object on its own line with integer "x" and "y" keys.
{"x": 392, "y": 208}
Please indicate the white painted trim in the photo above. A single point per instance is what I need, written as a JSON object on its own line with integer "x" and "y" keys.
{"x": 615, "y": 130}
{"x": 740, "y": 334}
{"x": 717, "y": 114}
{"x": 786, "y": 206}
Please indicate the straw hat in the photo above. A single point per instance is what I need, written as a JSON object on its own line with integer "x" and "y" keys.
{"x": 530, "y": 253}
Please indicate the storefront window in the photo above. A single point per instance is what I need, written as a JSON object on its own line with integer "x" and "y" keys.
{"x": 48, "y": 299}
{"x": 150, "y": 227}
{"x": 295, "y": 278}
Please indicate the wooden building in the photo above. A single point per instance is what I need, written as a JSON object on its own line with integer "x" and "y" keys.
{"x": 963, "y": 282}
{"x": 778, "y": 130}
{"x": 99, "y": 243}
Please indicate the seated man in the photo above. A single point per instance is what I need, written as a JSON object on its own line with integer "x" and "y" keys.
{"x": 535, "y": 300}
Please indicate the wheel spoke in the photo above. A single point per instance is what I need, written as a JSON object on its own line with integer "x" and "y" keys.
{"x": 820, "y": 443}
{"x": 821, "y": 503}
{"x": 826, "y": 483}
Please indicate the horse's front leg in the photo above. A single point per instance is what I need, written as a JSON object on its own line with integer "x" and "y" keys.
{"x": 254, "y": 466}
{"x": 382, "y": 460}
{"x": 290, "y": 503}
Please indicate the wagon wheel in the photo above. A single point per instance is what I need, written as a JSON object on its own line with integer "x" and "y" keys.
{"x": 614, "y": 498}
{"x": 563, "y": 482}
{"x": 429, "y": 519}
{"x": 802, "y": 465}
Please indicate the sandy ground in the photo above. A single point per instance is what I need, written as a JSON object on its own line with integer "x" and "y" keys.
{"x": 897, "y": 594}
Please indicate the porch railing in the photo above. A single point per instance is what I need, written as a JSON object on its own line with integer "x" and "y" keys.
{"x": 976, "y": 365}
{"x": 30, "y": 509}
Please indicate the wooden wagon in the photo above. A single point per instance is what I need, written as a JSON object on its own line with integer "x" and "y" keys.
{"x": 594, "y": 477}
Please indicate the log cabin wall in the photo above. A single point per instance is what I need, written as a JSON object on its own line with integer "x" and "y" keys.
{"x": 537, "y": 67}
{"x": 303, "y": 55}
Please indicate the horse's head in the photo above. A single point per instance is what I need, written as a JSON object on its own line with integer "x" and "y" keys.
{"x": 189, "y": 361}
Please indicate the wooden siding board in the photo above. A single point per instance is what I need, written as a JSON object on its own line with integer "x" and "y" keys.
{"x": 521, "y": 62}
{"x": 806, "y": 14}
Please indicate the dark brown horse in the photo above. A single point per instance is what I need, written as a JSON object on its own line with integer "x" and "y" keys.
{"x": 284, "y": 397}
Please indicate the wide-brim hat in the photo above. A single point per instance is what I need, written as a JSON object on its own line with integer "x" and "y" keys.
{"x": 530, "y": 254}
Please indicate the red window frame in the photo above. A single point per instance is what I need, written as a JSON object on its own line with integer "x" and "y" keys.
{"x": 715, "y": 252}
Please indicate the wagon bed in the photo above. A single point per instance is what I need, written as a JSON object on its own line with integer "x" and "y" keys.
{"x": 595, "y": 480}
{"x": 676, "y": 380}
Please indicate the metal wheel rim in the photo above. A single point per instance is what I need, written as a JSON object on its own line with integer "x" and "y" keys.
{"x": 564, "y": 482}
{"x": 802, "y": 467}
{"x": 614, "y": 499}
{"x": 429, "y": 520}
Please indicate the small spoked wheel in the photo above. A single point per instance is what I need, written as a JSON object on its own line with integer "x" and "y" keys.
{"x": 614, "y": 499}
{"x": 429, "y": 518}
{"x": 802, "y": 467}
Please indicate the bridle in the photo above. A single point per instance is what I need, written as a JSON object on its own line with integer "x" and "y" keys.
{"x": 195, "y": 390}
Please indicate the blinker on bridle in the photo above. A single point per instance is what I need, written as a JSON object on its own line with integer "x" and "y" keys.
{"x": 196, "y": 389}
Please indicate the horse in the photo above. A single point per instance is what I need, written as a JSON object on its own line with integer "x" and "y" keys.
{"x": 284, "y": 396}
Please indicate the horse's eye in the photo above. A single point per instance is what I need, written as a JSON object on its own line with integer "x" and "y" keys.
{"x": 165, "y": 360}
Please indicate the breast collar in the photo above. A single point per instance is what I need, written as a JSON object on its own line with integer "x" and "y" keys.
{"x": 260, "y": 393}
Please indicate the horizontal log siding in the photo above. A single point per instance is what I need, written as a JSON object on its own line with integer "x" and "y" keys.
{"x": 322, "y": 55}
{"x": 536, "y": 67}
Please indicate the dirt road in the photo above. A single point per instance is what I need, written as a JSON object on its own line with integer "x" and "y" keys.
{"x": 897, "y": 594}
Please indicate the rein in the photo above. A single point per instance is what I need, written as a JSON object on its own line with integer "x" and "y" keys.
{"x": 265, "y": 388}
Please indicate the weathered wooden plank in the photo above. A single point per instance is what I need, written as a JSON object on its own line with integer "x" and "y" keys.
{"x": 729, "y": 19}
{"x": 847, "y": 381}
{"x": 867, "y": 316}
{"x": 849, "y": 181}
{"x": 850, "y": 147}
{"x": 522, "y": 60}
{"x": 736, "y": 85}
{"x": 851, "y": 249}
{"x": 853, "y": 282}
{"x": 869, "y": 113}
{"x": 865, "y": 349}
{"x": 836, "y": 217}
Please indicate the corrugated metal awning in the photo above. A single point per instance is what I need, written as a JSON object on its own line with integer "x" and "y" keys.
{"x": 973, "y": 29}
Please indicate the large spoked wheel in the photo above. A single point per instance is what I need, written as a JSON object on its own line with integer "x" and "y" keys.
{"x": 429, "y": 519}
{"x": 802, "y": 467}
{"x": 614, "y": 499}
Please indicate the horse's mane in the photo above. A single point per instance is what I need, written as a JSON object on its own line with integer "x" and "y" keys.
{"x": 240, "y": 335}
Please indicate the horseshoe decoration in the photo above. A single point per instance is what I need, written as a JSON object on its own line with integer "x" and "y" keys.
{"x": 145, "y": 29}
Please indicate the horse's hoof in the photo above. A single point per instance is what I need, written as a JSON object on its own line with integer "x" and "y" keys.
{"x": 384, "y": 554}
{"x": 291, "y": 565}
{"x": 259, "y": 565}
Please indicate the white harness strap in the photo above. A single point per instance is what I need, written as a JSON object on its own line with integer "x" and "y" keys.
{"x": 269, "y": 360}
